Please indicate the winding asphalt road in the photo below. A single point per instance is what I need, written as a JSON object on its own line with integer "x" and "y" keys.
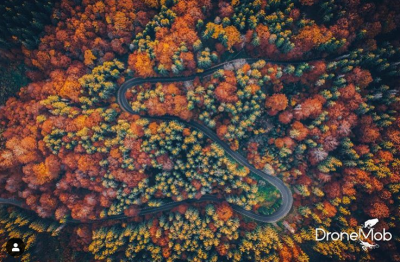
{"x": 286, "y": 193}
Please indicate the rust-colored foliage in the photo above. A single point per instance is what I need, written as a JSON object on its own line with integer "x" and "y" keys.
{"x": 328, "y": 129}
{"x": 141, "y": 64}
{"x": 276, "y": 103}
{"x": 224, "y": 211}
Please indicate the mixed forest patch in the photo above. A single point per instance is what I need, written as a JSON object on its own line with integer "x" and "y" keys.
{"x": 326, "y": 122}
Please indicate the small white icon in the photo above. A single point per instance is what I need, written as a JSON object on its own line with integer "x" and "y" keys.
{"x": 370, "y": 223}
{"x": 366, "y": 245}
{"x": 15, "y": 248}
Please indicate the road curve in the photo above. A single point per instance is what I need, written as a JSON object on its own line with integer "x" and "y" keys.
{"x": 142, "y": 212}
{"x": 286, "y": 193}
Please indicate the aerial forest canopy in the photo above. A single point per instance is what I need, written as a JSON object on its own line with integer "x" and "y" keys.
{"x": 306, "y": 91}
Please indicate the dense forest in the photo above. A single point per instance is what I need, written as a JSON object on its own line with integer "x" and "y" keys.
{"x": 318, "y": 107}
